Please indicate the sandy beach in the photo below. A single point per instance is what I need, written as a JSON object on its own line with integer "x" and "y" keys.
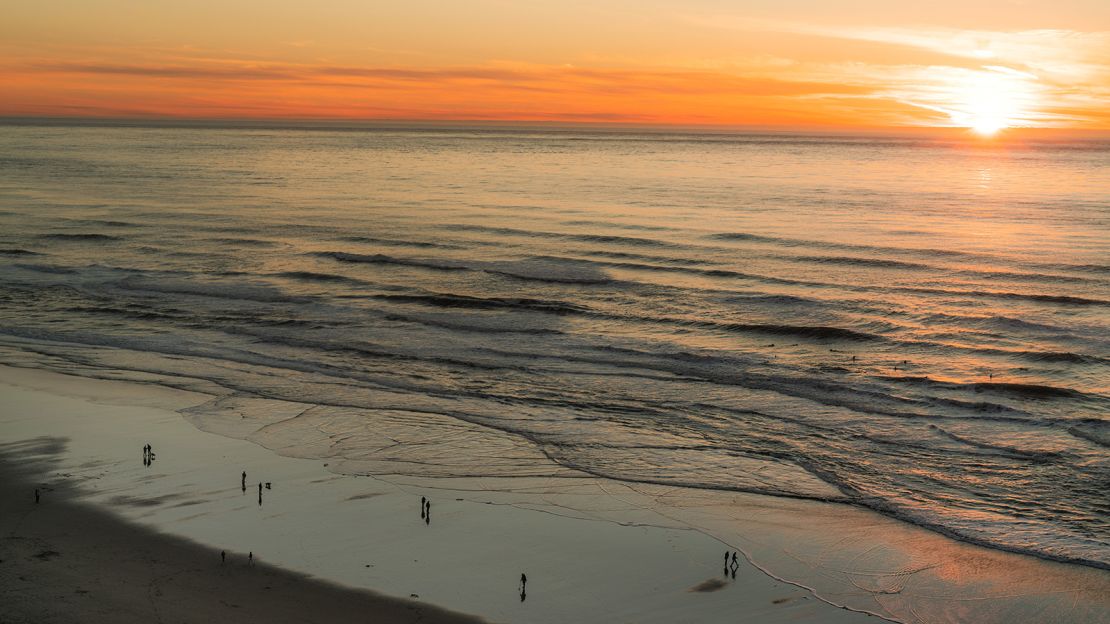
{"x": 65, "y": 561}
{"x": 468, "y": 558}
{"x": 593, "y": 550}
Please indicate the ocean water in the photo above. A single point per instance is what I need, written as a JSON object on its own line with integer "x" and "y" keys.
{"x": 920, "y": 327}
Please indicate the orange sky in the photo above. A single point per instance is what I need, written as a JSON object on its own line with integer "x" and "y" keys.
{"x": 851, "y": 63}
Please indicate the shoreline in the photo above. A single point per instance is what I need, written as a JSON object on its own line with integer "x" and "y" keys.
{"x": 770, "y": 533}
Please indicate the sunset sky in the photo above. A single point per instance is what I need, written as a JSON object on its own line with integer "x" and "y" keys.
{"x": 802, "y": 63}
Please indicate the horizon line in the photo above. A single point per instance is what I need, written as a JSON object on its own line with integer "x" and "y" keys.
{"x": 539, "y": 124}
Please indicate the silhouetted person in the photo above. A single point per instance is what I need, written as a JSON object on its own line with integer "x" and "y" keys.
{"x": 428, "y": 508}
{"x": 250, "y": 558}
{"x": 734, "y": 559}
{"x": 260, "y": 488}
{"x": 523, "y": 582}
{"x": 244, "y": 480}
{"x": 36, "y": 496}
{"x": 223, "y": 557}
{"x": 726, "y": 557}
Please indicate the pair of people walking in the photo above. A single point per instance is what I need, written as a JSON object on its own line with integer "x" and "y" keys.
{"x": 733, "y": 567}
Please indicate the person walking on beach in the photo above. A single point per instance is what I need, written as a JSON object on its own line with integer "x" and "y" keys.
{"x": 734, "y": 564}
{"x": 423, "y": 502}
{"x": 244, "y": 480}
{"x": 250, "y": 558}
{"x": 523, "y": 585}
{"x": 223, "y": 557}
{"x": 36, "y": 496}
{"x": 726, "y": 557}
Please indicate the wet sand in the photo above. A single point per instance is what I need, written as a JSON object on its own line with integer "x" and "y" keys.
{"x": 65, "y": 561}
{"x": 594, "y": 550}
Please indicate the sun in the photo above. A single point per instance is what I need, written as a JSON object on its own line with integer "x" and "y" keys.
{"x": 990, "y": 100}
{"x": 989, "y": 109}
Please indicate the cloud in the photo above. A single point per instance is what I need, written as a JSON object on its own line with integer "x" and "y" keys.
{"x": 549, "y": 78}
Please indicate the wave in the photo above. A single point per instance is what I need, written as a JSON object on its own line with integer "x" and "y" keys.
{"x": 870, "y": 249}
{"x": 534, "y": 269}
{"x": 1008, "y": 323}
{"x": 806, "y": 331}
{"x": 1051, "y": 278}
{"x": 818, "y": 244}
{"x": 624, "y": 255}
{"x": 145, "y": 315}
{"x": 487, "y": 303}
{"x": 744, "y": 236}
{"x": 624, "y": 226}
{"x": 457, "y": 325}
{"x": 1059, "y": 356}
{"x": 19, "y": 252}
{"x": 1065, "y": 299}
{"x": 396, "y": 243}
{"x": 110, "y": 223}
{"x": 780, "y": 300}
{"x": 542, "y": 270}
{"x": 1041, "y": 456}
{"x": 1024, "y": 390}
{"x": 343, "y": 256}
{"x": 864, "y": 262}
{"x": 1101, "y": 438}
{"x": 1101, "y": 269}
{"x": 221, "y": 290}
{"x": 767, "y": 279}
{"x": 585, "y": 238}
{"x": 310, "y": 276}
{"x": 245, "y": 242}
{"x": 819, "y": 332}
{"x": 47, "y": 268}
{"x": 80, "y": 237}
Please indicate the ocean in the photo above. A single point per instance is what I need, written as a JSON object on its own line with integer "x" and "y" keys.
{"x": 917, "y": 326}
